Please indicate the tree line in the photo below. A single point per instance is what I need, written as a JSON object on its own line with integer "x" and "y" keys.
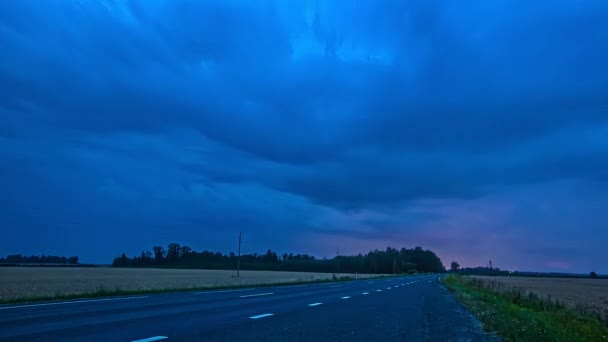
{"x": 388, "y": 261}
{"x": 39, "y": 259}
{"x": 495, "y": 271}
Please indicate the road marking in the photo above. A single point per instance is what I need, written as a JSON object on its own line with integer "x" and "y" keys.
{"x": 225, "y": 291}
{"x": 388, "y": 288}
{"x": 261, "y": 316}
{"x": 396, "y": 286}
{"x": 345, "y": 297}
{"x": 378, "y": 290}
{"x": 315, "y": 304}
{"x": 365, "y": 293}
{"x": 335, "y": 286}
{"x": 150, "y": 339}
{"x": 70, "y": 302}
{"x": 257, "y": 295}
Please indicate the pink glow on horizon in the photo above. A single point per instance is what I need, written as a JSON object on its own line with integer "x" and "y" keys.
{"x": 523, "y": 230}
{"x": 562, "y": 265}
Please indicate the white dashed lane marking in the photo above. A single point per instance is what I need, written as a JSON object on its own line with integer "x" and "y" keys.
{"x": 150, "y": 339}
{"x": 345, "y": 297}
{"x": 315, "y": 304}
{"x": 365, "y": 293}
{"x": 261, "y": 316}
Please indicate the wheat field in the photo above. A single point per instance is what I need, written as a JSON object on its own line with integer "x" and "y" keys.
{"x": 585, "y": 293}
{"x": 20, "y": 282}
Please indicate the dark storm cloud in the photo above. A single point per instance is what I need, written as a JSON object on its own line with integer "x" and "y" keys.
{"x": 291, "y": 117}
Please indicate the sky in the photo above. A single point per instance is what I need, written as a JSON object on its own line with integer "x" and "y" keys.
{"x": 476, "y": 129}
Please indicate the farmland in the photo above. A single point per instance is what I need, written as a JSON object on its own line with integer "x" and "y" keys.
{"x": 27, "y": 282}
{"x": 583, "y": 293}
{"x": 526, "y": 309}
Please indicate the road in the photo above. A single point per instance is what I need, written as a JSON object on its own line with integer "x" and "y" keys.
{"x": 415, "y": 308}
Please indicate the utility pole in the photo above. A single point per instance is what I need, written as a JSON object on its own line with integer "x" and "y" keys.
{"x": 338, "y": 259}
{"x": 238, "y": 260}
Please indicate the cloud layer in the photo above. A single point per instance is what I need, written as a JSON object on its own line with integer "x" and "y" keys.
{"x": 476, "y": 129}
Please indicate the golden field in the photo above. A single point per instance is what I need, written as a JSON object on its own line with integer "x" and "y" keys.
{"x": 19, "y": 282}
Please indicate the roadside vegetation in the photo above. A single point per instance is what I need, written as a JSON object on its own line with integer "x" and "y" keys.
{"x": 519, "y": 315}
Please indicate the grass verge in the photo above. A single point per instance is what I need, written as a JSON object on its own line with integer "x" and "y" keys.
{"x": 104, "y": 292}
{"x": 520, "y": 316}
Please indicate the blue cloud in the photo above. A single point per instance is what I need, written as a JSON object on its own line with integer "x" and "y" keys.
{"x": 182, "y": 119}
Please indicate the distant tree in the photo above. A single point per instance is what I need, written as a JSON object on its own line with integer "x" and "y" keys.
{"x": 185, "y": 251}
{"x": 390, "y": 260}
{"x": 593, "y": 275}
{"x": 39, "y": 259}
{"x": 455, "y": 266}
{"x": 486, "y": 271}
{"x": 121, "y": 261}
{"x": 159, "y": 254}
{"x": 14, "y": 259}
{"x": 173, "y": 252}
{"x": 145, "y": 258}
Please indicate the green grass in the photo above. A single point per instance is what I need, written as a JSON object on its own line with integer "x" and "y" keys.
{"x": 103, "y": 292}
{"x": 519, "y": 316}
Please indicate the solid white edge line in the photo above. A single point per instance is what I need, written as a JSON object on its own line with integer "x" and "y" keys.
{"x": 257, "y": 295}
{"x": 150, "y": 339}
{"x": 222, "y": 291}
{"x": 70, "y": 302}
{"x": 315, "y": 304}
{"x": 261, "y": 316}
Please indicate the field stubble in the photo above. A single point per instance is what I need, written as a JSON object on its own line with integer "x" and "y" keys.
{"x": 27, "y": 282}
{"x": 587, "y": 296}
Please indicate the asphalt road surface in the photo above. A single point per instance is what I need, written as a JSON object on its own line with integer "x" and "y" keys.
{"x": 414, "y": 308}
